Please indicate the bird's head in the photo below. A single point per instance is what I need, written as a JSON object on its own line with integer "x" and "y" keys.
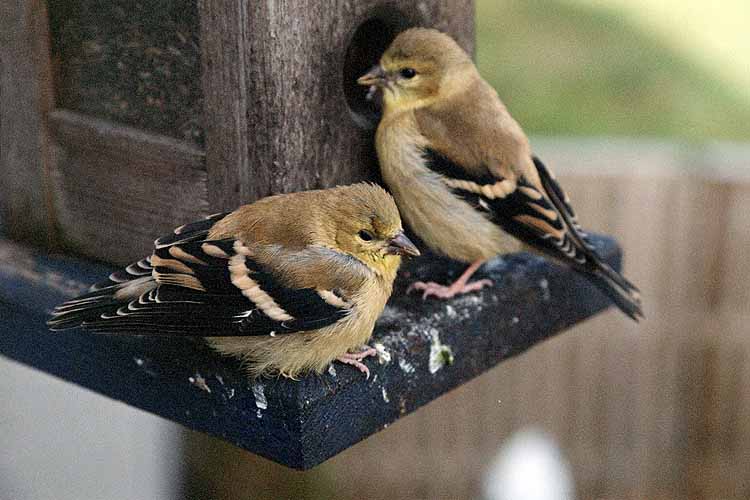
{"x": 368, "y": 227}
{"x": 420, "y": 66}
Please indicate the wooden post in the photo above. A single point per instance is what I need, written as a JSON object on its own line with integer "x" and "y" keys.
{"x": 266, "y": 89}
{"x": 25, "y": 100}
{"x": 282, "y": 109}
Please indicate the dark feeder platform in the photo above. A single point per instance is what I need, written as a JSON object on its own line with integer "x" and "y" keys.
{"x": 426, "y": 348}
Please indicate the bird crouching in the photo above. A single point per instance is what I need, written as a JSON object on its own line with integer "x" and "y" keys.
{"x": 287, "y": 284}
{"x": 462, "y": 170}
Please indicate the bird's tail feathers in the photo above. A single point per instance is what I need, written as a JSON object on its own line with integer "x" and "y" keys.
{"x": 102, "y": 301}
{"x": 619, "y": 279}
{"x": 622, "y": 292}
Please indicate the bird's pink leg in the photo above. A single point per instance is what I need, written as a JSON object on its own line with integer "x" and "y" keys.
{"x": 460, "y": 286}
{"x": 355, "y": 359}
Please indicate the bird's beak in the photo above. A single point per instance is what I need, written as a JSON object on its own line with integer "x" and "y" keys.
{"x": 401, "y": 245}
{"x": 376, "y": 77}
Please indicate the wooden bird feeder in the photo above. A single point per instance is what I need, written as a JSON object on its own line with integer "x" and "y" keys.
{"x": 119, "y": 122}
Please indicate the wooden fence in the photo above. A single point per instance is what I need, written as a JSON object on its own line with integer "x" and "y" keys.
{"x": 659, "y": 410}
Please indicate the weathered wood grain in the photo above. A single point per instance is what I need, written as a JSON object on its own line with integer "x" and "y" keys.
{"x": 25, "y": 99}
{"x": 277, "y": 119}
{"x": 76, "y": 130}
{"x": 118, "y": 188}
{"x": 135, "y": 63}
{"x": 225, "y": 103}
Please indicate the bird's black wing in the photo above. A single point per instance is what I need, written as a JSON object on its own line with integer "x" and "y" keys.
{"x": 517, "y": 206}
{"x": 193, "y": 231}
{"x": 194, "y": 286}
{"x": 541, "y": 218}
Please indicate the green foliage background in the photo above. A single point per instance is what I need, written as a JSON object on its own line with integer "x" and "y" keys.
{"x": 566, "y": 69}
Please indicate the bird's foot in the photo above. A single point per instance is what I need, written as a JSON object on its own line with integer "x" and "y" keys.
{"x": 447, "y": 292}
{"x": 355, "y": 359}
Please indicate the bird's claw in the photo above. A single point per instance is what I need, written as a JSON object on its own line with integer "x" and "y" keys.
{"x": 446, "y": 292}
{"x": 355, "y": 359}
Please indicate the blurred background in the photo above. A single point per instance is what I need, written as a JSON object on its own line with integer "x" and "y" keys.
{"x": 643, "y": 109}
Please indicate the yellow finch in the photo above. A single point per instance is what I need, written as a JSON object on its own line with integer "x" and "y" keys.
{"x": 462, "y": 171}
{"x": 288, "y": 284}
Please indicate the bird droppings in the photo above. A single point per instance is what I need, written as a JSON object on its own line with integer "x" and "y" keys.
{"x": 461, "y": 308}
{"x": 230, "y": 393}
{"x": 449, "y": 311}
{"x": 143, "y": 364}
{"x": 331, "y": 370}
{"x": 514, "y": 320}
{"x": 220, "y": 379}
{"x": 384, "y": 357}
{"x": 391, "y": 314}
{"x": 474, "y": 301}
{"x": 259, "y": 413}
{"x": 385, "y": 396}
{"x": 440, "y": 354}
{"x": 496, "y": 265}
{"x": 405, "y": 366}
{"x": 260, "y": 396}
{"x": 200, "y": 382}
{"x": 544, "y": 285}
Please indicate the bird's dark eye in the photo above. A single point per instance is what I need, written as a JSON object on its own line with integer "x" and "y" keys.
{"x": 365, "y": 235}
{"x": 408, "y": 73}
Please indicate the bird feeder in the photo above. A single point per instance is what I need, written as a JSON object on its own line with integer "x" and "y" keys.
{"x": 122, "y": 121}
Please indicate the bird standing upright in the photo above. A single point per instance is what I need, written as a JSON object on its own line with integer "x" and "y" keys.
{"x": 462, "y": 171}
{"x": 287, "y": 284}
